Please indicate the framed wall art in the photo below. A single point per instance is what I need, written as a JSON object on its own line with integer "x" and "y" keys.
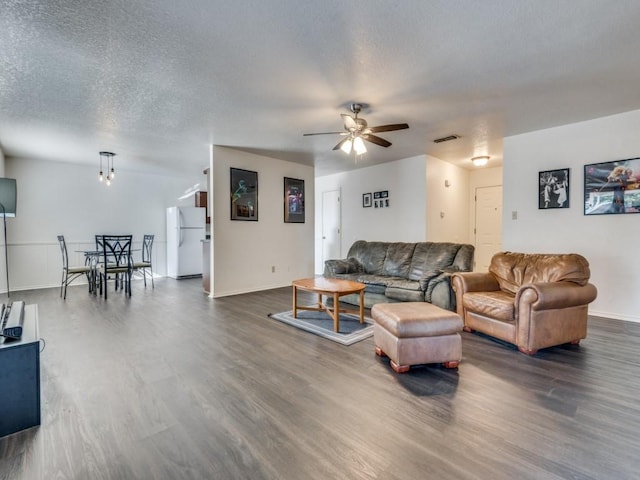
{"x": 366, "y": 200}
{"x": 553, "y": 189}
{"x": 612, "y": 187}
{"x": 244, "y": 195}
{"x": 293, "y": 200}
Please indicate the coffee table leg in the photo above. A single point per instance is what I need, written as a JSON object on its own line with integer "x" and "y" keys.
{"x": 319, "y": 300}
{"x": 336, "y": 312}
{"x": 361, "y": 306}
{"x": 295, "y": 302}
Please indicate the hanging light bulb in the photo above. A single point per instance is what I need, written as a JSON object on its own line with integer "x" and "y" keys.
{"x": 346, "y": 146}
{"x": 358, "y": 146}
{"x": 111, "y": 173}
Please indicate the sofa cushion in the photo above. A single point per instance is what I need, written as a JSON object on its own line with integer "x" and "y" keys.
{"x": 404, "y": 290}
{"x": 404, "y": 295}
{"x": 512, "y": 270}
{"x": 403, "y": 283}
{"x": 430, "y": 258}
{"x": 495, "y": 304}
{"x": 373, "y": 283}
{"x": 398, "y": 259}
{"x": 370, "y": 255}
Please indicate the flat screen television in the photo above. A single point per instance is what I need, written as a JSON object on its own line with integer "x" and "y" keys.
{"x": 8, "y": 197}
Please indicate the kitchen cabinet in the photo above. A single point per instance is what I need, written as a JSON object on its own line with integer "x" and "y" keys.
{"x": 201, "y": 201}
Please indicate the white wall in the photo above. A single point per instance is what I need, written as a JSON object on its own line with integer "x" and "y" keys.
{"x": 447, "y": 208}
{"x": 62, "y": 198}
{"x": 417, "y": 194}
{"x": 609, "y": 242}
{"x": 244, "y": 252}
{"x": 403, "y": 221}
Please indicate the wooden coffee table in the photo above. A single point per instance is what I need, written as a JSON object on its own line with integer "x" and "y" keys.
{"x": 332, "y": 287}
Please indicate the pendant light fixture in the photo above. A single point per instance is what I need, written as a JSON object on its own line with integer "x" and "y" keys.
{"x": 108, "y": 158}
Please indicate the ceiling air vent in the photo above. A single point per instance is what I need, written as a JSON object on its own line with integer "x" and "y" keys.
{"x": 446, "y": 139}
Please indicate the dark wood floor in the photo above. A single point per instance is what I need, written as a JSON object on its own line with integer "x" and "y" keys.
{"x": 170, "y": 384}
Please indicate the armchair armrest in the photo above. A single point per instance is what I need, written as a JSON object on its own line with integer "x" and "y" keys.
{"x": 463, "y": 282}
{"x": 342, "y": 266}
{"x": 547, "y": 296}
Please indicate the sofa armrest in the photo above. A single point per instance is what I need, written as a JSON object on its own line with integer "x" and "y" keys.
{"x": 347, "y": 265}
{"x": 438, "y": 292}
{"x": 547, "y": 296}
{"x": 463, "y": 282}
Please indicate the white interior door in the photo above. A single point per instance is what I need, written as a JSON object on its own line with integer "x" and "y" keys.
{"x": 331, "y": 221}
{"x": 488, "y": 228}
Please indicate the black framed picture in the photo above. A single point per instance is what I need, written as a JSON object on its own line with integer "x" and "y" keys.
{"x": 553, "y": 189}
{"x": 244, "y": 195}
{"x": 366, "y": 200}
{"x": 293, "y": 200}
{"x": 612, "y": 187}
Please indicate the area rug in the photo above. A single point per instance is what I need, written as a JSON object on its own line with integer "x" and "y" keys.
{"x": 351, "y": 330}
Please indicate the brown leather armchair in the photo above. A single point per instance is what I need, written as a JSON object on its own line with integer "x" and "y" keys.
{"x": 531, "y": 300}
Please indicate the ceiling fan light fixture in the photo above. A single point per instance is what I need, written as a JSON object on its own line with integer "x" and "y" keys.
{"x": 480, "y": 161}
{"x": 358, "y": 146}
{"x": 346, "y": 146}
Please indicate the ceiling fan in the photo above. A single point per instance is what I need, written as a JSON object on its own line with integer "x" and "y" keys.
{"x": 357, "y": 130}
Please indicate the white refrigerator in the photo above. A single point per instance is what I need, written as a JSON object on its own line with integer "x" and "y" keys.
{"x": 185, "y": 231}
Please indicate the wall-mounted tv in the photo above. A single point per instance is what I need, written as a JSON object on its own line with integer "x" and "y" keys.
{"x": 8, "y": 197}
{"x": 612, "y": 187}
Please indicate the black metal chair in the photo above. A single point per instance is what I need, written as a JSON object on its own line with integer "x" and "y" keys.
{"x": 145, "y": 267}
{"x": 116, "y": 262}
{"x": 69, "y": 274}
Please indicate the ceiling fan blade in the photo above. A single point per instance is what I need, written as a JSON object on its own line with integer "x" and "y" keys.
{"x": 349, "y": 122}
{"x": 340, "y": 143}
{"x": 377, "y": 140}
{"x": 325, "y": 133}
{"x": 387, "y": 128}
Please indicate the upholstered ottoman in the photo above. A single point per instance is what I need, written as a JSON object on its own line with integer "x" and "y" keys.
{"x": 413, "y": 333}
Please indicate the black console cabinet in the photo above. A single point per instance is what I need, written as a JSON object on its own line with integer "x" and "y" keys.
{"x": 20, "y": 377}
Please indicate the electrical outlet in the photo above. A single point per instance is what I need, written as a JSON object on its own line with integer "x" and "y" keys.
{"x": 273, "y": 269}
{"x": 514, "y": 215}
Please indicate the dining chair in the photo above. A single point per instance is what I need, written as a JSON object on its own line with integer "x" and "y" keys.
{"x": 116, "y": 262}
{"x": 145, "y": 267}
{"x": 69, "y": 274}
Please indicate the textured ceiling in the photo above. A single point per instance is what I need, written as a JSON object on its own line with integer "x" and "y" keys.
{"x": 158, "y": 81}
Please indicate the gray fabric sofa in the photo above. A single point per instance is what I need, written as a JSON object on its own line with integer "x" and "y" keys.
{"x": 403, "y": 272}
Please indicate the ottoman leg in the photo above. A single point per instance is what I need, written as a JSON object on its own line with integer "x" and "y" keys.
{"x": 399, "y": 368}
{"x": 379, "y": 352}
{"x": 450, "y": 364}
